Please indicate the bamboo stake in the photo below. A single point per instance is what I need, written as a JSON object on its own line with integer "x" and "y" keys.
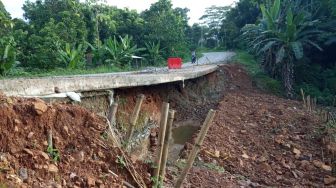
{"x": 111, "y": 120}
{"x": 325, "y": 116}
{"x": 322, "y": 115}
{"x": 134, "y": 117}
{"x": 163, "y": 123}
{"x": 197, "y": 147}
{"x": 112, "y": 113}
{"x": 303, "y": 98}
{"x": 308, "y": 103}
{"x": 113, "y": 136}
{"x": 50, "y": 142}
{"x": 171, "y": 115}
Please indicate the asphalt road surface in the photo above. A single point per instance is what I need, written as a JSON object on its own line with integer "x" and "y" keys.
{"x": 212, "y": 58}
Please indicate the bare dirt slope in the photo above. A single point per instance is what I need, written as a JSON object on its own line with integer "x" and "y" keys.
{"x": 260, "y": 140}
{"x": 84, "y": 157}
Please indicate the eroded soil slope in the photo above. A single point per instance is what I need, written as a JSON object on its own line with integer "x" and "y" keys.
{"x": 261, "y": 140}
{"x": 83, "y": 155}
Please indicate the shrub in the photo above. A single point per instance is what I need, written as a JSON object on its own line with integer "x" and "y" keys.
{"x": 268, "y": 84}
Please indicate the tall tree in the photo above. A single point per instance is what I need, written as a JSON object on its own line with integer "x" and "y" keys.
{"x": 164, "y": 25}
{"x": 213, "y": 18}
{"x": 5, "y": 21}
{"x": 196, "y": 35}
{"x": 7, "y": 44}
{"x": 129, "y": 22}
{"x": 50, "y": 22}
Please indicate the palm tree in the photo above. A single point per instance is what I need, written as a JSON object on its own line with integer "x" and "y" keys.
{"x": 281, "y": 42}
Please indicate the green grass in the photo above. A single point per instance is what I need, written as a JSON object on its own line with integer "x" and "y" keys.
{"x": 210, "y": 166}
{"x": 261, "y": 80}
{"x": 33, "y": 73}
{"x": 249, "y": 62}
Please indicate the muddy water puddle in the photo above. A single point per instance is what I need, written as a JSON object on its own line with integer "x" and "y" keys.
{"x": 181, "y": 134}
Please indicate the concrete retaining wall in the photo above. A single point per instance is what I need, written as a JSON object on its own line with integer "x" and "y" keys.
{"x": 93, "y": 82}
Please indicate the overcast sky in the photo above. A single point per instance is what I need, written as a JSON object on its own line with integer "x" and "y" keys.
{"x": 196, "y": 7}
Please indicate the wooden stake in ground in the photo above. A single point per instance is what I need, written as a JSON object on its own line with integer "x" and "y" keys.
{"x": 134, "y": 117}
{"x": 308, "y": 103}
{"x": 112, "y": 112}
{"x": 163, "y": 123}
{"x": 111, "y": 119}
{"x": 171, "y": 115}
{"x": 303, "y": 98}
{"x": 325, "y": 116}
{"x": 50, "y": 142}
{"x": 196, "y": 148}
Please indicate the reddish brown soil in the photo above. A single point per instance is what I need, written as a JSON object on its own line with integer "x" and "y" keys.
{"x": 257, "y": 136}
{"x": 85, "y": 155}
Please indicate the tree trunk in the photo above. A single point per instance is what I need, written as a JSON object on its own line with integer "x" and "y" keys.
{"x": 288, "y": 78}
{"x": 268, "y": 65}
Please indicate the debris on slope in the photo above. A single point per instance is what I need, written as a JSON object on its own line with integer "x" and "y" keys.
{"x": 261, "y": 140}
{"x": 82, "y": 154}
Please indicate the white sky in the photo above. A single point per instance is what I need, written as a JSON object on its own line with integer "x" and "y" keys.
{"x": 196, "y": 7}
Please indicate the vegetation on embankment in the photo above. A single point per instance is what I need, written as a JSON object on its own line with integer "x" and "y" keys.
{"x": 20, "y": 72}
{"x": 91, "y": 37}
{"x": 260, "y": 79}
{"x": 312, "y": 79}
{"x": 293, "y": 42}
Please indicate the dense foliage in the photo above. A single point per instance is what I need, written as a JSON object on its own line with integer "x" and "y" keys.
{"x": 280, "y": 39}
{"x": 72, "y": 34}
{"x": 7, "y": 44}
{"x": 294, "y": 41}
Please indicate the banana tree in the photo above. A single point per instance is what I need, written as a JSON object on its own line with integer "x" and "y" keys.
{"x": 72, "y": 57}
{"x": 120, "y": 52}
{"x": 154, "y": 52}
{"x": 281, "y": 42}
